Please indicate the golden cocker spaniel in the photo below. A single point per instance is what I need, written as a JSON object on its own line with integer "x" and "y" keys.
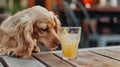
{"x": 20, "y": 32}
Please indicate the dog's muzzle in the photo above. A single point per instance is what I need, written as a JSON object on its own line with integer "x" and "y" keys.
{"x": 57, "y": 43}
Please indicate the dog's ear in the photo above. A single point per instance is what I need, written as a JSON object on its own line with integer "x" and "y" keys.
{"x": 56, "y": 21}
{"x": 57, "y": 24}
{"x": 24, "y": 32}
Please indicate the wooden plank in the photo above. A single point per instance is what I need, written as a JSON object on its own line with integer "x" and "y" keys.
{"x": 1, "y": 65}
{"x": 19, "y": 62}
{"x": 51, "y": 60}
{"x": 86, "y": 49}
{"x": 89, "y": 59}
{"x": 109, "y": 54}
{"x": 117, "y": 50}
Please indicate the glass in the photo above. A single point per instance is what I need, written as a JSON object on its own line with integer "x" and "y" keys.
{"x": 70, "y": 38}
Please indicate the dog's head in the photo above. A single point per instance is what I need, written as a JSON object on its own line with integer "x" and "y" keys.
{"x": 46, "y": 31}
{"x": 37, "y": 23}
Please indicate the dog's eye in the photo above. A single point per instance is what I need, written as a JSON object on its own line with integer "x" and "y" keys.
{"x": 46, "y": 29}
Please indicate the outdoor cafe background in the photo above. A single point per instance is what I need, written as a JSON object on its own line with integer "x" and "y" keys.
{"x": 99, "y": 19}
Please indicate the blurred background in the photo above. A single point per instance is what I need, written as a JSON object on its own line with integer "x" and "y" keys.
{"x": 99, "y": 19}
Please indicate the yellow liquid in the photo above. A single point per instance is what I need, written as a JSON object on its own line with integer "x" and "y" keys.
{"x": 70, "y": 49}
{"x": 69, "y": 44}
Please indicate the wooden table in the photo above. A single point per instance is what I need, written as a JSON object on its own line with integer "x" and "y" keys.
{"x": 90, "y": 57}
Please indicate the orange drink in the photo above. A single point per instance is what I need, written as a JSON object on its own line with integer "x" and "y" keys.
{"x": 69, "y": 49}
{"x": 70, "y": 42}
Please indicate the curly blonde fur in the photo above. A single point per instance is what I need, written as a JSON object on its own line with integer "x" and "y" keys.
{"x": 20, "y": 32}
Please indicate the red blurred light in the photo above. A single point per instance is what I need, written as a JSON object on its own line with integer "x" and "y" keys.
{"x": 87, "y": 2}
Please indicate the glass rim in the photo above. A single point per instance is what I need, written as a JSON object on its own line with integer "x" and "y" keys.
{"x": 75, "y": 27}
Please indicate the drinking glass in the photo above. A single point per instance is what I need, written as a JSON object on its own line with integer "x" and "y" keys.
{"x": 70, "y": 38}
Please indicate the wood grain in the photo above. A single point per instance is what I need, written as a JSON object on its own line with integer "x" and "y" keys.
{"x": 52, "y": 60}
{"x": 18, "y": 62}
{"x": 86, "y": 58}
{"x": 89, "y": 59}
{"x": 109, "y": 54}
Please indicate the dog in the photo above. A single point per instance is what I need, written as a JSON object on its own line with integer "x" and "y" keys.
{"x": 20, "y": 33}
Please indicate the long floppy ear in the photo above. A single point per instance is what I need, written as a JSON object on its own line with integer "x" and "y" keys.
{"x": 57, "y": 24}
{"x": 23, "y": 35}
{"x": 56, "y": 21}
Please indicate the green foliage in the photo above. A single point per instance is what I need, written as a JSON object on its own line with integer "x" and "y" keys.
{"x": 16, "y": 7}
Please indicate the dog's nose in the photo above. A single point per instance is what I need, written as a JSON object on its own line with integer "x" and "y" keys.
{"x": 57, "y": 43}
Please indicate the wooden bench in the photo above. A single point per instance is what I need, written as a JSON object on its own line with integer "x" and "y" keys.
{"x": 90, "y": 57}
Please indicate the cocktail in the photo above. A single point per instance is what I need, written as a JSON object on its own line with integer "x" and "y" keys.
{"x": 70, "y": 38}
